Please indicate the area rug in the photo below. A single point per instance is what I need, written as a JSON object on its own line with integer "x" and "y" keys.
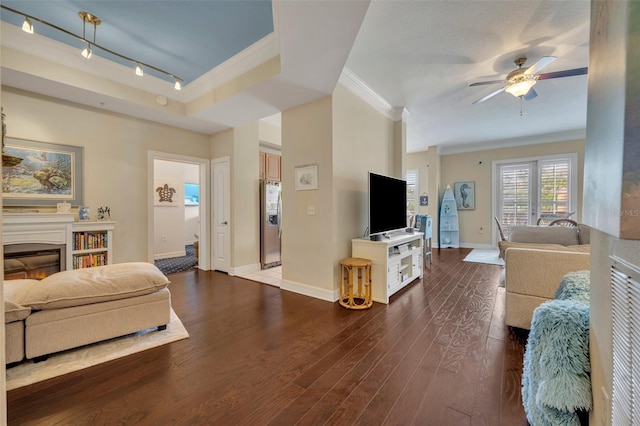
{"x": 174, "y": 265}
{"x": 490, "y": 256}
{"x": 87, "y": 356}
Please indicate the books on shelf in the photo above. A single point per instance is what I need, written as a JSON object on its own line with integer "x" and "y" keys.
{"x": 90, "y": 240}
{"x": 89, "y": 260}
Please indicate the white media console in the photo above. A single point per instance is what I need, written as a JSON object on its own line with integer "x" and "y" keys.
{"x": 395, "y": 262}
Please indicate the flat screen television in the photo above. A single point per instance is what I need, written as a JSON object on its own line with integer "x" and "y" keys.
{"x": 387, "y": 204}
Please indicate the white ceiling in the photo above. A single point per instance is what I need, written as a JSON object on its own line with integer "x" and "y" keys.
{"x": 417, "y": 55}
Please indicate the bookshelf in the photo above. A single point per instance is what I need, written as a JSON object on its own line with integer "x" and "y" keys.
{"x": 91, "y": 244}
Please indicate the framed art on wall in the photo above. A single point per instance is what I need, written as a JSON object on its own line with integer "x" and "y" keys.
{"x": 46, "y": 174}
{"x": 465, "y": 194}
{"x": 306, "y": 177}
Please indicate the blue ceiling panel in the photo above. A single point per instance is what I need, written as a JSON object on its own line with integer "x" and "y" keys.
{"x": 186, "y": 38}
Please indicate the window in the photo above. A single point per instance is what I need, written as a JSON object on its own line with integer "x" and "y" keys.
{"x": 535, "y": 190}
{"x": 412, "y": 192}
{"x": 554, "y": 186}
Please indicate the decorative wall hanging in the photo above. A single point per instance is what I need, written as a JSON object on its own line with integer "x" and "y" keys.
{"x": 166, "y": 193}
{"x": 306, "y": 177}
{"x": 48, "y": 174}
{"x": 465, "y": 193}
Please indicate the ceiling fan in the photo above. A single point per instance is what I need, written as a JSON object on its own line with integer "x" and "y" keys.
{"x": 520, "y": 82}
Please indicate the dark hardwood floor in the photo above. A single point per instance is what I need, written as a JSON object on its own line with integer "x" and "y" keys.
{"x": 438, "y": 354}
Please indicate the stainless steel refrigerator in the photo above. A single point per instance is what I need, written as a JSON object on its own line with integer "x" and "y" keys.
{"x": 270, "y": 223}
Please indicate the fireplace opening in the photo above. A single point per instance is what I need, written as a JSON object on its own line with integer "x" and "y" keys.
{"x": 35, "y": 261}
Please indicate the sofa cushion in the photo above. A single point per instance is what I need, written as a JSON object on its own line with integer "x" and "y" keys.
{"x": 544, "y": 235}
{"x": 14, "y": 312}
{"x": 93, "y": 285}
{"x": 13, "y": 309}
{"x": 504, "y": 245}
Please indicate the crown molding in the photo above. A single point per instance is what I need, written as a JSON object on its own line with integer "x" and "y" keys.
{"x": 259, "y": 52}
{"x": 570, "y": 135}
{"x": 359, "y": 88}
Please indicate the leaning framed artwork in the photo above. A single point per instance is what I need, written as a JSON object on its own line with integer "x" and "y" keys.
{"x": 41, "y": 173}
{"x": 306, "y": 177}
{"x": 465, "y": 194}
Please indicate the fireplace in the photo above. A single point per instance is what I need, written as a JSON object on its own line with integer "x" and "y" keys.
{"x": 33, "y": 260}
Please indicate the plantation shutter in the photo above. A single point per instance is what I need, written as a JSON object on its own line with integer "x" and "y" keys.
{"x": 554, "y": 179}
{"x": 514, "y": 192}
{"x": 412, "y": 191}
{"x": 625, "y": 293}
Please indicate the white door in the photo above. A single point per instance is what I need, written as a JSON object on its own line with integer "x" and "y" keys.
{"x": 221, "y": 215}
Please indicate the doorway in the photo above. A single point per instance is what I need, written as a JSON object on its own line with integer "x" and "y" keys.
{"x": 178, "y": 194}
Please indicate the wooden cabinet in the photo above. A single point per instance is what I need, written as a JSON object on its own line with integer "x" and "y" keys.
{"x": 395, "y": 262}
{"x": 270, "y": 167}
{"x": 91, "y": 244}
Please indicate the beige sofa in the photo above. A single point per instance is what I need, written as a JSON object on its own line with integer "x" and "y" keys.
{"x": 535, "y": 265}
{"x": 75, "y": 308}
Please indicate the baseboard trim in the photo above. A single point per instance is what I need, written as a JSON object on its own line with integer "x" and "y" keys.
{"x": 170, "y": 255}
{"x": 307, "y": 290}
{"x": 243, "y": 270}
{"x": 478, "y": 246}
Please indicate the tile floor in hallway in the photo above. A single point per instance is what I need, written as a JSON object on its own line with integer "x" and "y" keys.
{"x": 271, "y": 276}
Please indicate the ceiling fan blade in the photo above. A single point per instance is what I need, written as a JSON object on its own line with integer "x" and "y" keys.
{"x": 482, "y": 83}
{"x": 565, "y": 73}
{"x": 531, "y": 94}
{"x": 540, "y": 63}
{"x": 490, "y": 95}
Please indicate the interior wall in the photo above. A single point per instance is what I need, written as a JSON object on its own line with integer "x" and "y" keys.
{"x": 245, "y": 198}
{"x": 269, "y": 133}
{"x": 168, "y": 223}
{"x": 115, "y": 156}
{"x": 307, "y": 239}
{"x": 363, "y": 140}
{"x": 476, "y": 225}
{"x": 615, "y": 34}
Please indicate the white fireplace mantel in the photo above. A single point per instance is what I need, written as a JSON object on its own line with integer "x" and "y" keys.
{"x": 47, "y": 228}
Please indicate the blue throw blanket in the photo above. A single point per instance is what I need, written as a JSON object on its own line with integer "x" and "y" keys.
{"x": 556, "y": 376}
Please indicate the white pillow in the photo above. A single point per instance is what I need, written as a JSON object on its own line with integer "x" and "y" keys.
{"x": 94, "y": 285}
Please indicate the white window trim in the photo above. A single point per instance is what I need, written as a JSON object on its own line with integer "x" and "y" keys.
{"x": 416, "y": 196}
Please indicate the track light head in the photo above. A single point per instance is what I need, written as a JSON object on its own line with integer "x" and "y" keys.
{"x": 178, "y": 85}
{"x": 139, "y": 71}
{"x": 27, "y": 25}
{"x": 87, "y": 53}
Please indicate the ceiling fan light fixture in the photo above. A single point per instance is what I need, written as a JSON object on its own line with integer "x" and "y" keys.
{"x": 520, "y": 88}
{"x": 27, "y": 25}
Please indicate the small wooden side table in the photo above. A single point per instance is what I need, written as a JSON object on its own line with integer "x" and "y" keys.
{"x": 352, "y": 297}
